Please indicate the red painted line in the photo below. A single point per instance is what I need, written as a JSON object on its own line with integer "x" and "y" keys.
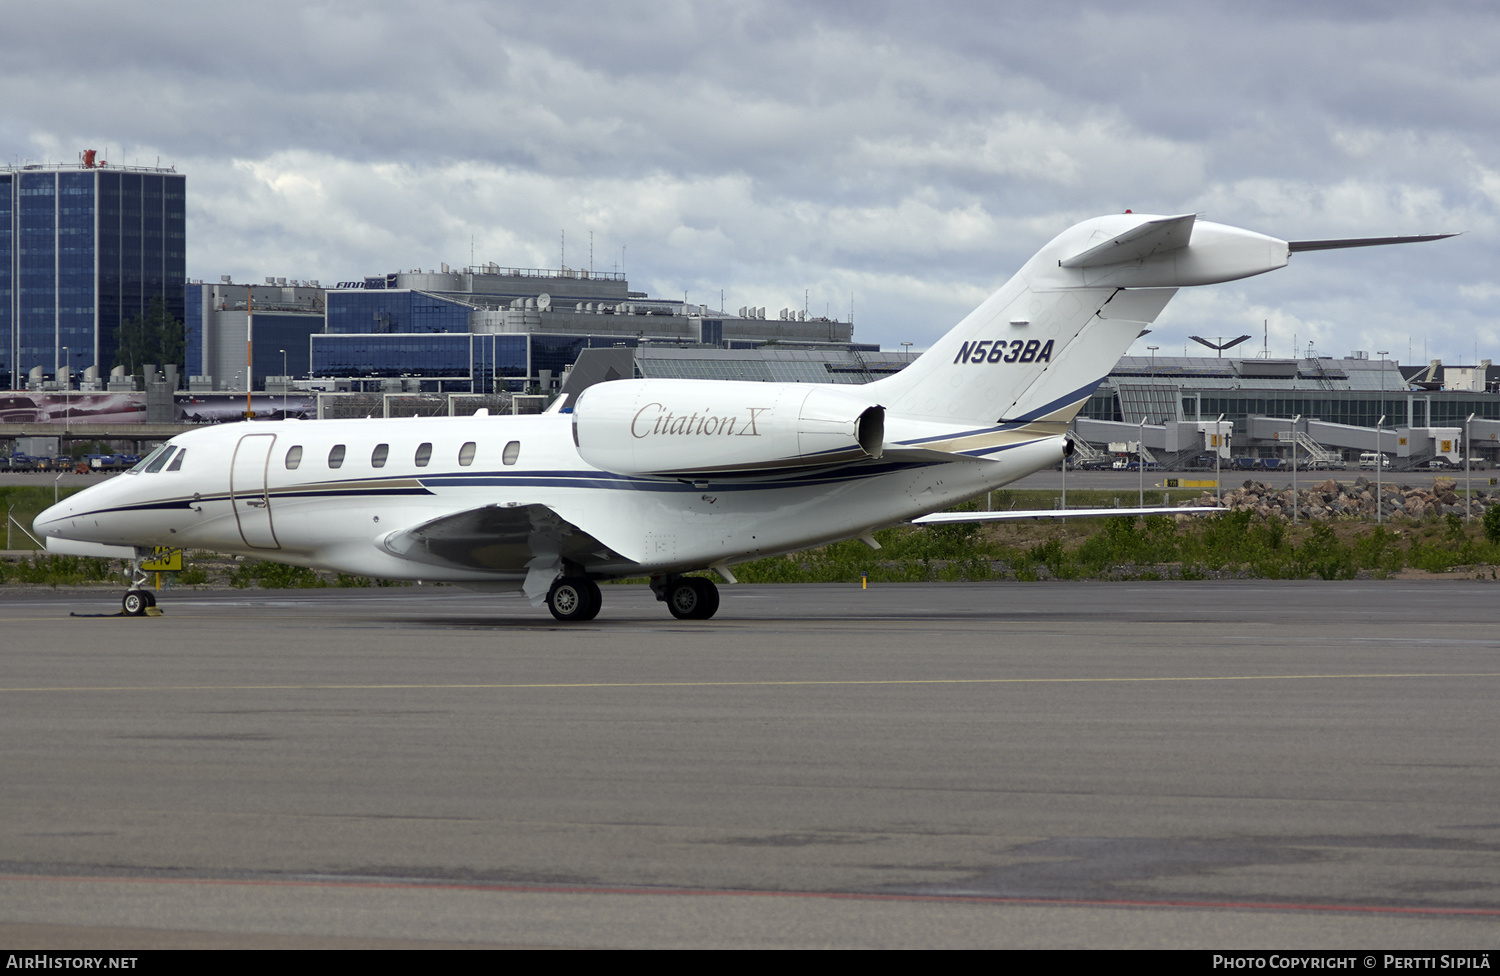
{"x": 828, "y": 895}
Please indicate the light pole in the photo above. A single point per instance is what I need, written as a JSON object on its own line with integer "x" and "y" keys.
{"x": 1218, "y": 455}
{"x": 1382, "y": 354}
{"x": 1140, "y": 460}
{"x": 907, "y": 346}
{"x": 1153, "y": 360}
{"x": 1295, "y": 511}
{"x": 284, "y": 381}
{"x": 67, "y": 390}
{"x": 1468, "y": 489}
{"x": 1379, "y": 463}
{"x": 1065, "y": 474}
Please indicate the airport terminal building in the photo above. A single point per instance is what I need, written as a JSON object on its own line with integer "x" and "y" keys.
{"x": 1176, "y": 405}
{"x": 483, "y": 329}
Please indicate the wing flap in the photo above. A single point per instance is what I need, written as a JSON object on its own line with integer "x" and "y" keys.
{"x": 502, "y": 539}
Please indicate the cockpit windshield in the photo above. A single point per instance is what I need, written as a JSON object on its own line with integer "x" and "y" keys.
{"x": 161, "y": 459}
{"x": 145, "y": 462}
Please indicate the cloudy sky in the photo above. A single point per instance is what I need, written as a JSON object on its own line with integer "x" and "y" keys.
{"x": 903, "y": 156}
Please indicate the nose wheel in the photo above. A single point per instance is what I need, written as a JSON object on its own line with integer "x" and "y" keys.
{"x": 136, "y": 602}
{"x": 137, "y": 599}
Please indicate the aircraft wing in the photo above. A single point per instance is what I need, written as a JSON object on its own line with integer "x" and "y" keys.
{"x": 947, "y": 517}
{"x": 530, "y": 539}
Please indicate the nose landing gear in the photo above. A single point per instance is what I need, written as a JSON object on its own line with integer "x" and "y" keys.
{"x": 137, "y": 600}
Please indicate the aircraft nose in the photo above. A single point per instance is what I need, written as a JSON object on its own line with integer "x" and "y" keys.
{"x": 50, "y": 521}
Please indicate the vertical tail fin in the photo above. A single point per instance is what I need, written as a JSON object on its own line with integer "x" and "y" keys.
{"x": 1037, "y": 348}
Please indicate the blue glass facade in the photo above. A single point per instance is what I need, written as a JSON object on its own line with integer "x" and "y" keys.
{"x": 193, "y": 342}
{"x": 479, "y": 363}
{"x": 81, "y": 251}
{"x": 391, "y": 312}
{"x": 273, "y": 333}
{"x": 7, "y": 281}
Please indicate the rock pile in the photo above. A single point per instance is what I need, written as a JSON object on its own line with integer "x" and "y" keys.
{"x": 1331, "y": 500}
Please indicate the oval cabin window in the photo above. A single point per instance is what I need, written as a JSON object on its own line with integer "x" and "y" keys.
{"x": 466, "y": 454}
{"x": 512, "y": 451}
{"x": 336, "y": 456}
{"x": 378, "y": 456}
{"x": 293, "y": 457}
{"x": 424, "y": 454}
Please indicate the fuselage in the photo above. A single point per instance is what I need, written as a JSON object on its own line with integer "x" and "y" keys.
{"x": 334, "y": 495}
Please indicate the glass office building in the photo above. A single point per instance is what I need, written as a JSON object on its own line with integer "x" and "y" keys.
{"x": 84, "y": 248}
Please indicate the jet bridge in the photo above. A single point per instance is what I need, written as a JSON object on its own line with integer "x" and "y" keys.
{"x": 1410, "y": 446}
{"x": 1172, "y": 442}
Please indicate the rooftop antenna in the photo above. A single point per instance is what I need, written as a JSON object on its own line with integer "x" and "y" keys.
{"x": 562, "y": 249}
{"x": 1221, "y": 345}
{"x": 591, "y": 254}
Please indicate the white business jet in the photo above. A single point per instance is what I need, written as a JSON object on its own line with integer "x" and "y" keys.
{"x": 661, "y": 478}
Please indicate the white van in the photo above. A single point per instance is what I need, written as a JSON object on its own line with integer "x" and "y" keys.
{"x": 1369, "y": 459}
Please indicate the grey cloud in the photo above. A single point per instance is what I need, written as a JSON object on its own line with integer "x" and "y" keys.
{"x": 819, "y": 145}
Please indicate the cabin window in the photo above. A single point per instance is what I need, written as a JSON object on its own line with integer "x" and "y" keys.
{"x": 293, "y": 457}
{"x": 512, "y": 451}
{"x": 466, "y": 454}
{"x": 378, "y": 456}
{"x": 336, "y": 456}
{"x": 161, "y": 459}
{"x": 424, "y": 454}
{"x": 176, "y": 464}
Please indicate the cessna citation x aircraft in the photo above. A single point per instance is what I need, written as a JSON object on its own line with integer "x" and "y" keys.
{"x": 660, "y": 477}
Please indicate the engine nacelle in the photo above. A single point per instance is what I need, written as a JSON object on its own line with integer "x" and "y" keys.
{"x": 711, "y": 428}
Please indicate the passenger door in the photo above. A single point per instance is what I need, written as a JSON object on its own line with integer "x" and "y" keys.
{"x": 247, "y": 486}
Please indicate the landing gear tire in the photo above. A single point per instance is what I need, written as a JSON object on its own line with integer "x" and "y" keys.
{"x": 574, "y": 599}
{"x": 693, "y": 598}
{"x": 137, "y": 599}
{"x": 136, "y": 602}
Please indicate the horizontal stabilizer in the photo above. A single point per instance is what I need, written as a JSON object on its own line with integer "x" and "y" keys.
{"x": 947, "y": 517}
{"x": 1296, "y": 246}
{"x": 1152, "y": 237}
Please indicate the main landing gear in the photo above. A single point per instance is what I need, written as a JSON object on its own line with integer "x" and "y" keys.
{"x": 688, "y": 597}
{"x": 577, "y": 598}
{"x": 574, "y": 598}
{"x": 137, "y": 600}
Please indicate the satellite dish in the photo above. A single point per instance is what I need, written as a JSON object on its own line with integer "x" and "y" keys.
{"x": 543, "y": 302}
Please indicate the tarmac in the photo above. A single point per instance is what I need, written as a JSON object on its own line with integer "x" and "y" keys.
{"x": 1091, "y": 765}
